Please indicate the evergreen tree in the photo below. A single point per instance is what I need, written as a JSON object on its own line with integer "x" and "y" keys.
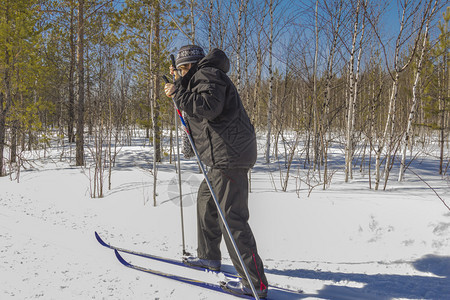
{"x": 20, "y": 65}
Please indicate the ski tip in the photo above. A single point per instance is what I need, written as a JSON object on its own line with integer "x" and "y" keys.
{"x": 120, "y": 258}
{"x": 99, "y": 239}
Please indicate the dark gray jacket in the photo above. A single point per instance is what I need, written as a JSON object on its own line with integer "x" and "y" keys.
{"x": 218, "y": 122}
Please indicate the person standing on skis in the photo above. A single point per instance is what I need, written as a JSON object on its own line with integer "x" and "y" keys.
{"x": 226, "y": 142}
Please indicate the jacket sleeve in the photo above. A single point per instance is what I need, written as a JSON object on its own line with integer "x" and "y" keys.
{"x": 203, "y": 96}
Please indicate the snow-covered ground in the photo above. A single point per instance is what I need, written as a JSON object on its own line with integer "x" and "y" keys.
{"x": 346, "y": 242}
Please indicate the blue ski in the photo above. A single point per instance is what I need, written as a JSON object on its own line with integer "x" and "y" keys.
{"x": 180, "y": 263}
{"x": 202, "y": 284}
{"x": 154, "y": 257}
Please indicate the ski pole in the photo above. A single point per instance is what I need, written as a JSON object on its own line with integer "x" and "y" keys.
{"x": 185, "y": 253}
{"x": 213, "y": 194}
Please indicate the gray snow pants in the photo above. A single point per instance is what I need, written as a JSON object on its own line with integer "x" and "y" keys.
{"x": 231, "y": 188}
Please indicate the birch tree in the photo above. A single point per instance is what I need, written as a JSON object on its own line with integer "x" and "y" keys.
{"x": 353, "y": 89}
{"x": 192, "y": 6}
{"x": 259, "y": 54}
{"x": 269, "y": 104}
{"x": 326, "y": 122}
{"x": 156, "y": 70}
{"x": 210, "y": 23}
{"x": 409, "y": 13}
{"x": 242, "y": 10}
{"x": 415, "y": 87}
{"x": 315, "y": 96}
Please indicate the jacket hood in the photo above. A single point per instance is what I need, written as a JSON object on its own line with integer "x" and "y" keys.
{"x": 217, "y": 59}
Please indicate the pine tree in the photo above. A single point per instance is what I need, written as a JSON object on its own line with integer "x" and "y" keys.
{"x": 20, "y": 35}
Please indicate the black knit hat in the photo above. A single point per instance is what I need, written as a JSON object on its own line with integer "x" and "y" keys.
{"x": 189, "y": 54}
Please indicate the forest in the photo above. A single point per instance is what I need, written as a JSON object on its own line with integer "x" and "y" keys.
{"x": 367, "y": 77}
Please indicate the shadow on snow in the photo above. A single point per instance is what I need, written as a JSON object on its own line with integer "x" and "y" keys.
{"x": 381, "y": 286}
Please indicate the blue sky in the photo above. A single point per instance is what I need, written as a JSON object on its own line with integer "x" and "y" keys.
{"x": 390, "y": 25}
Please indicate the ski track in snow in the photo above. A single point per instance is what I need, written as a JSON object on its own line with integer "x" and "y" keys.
{"x": 346, "y": 242}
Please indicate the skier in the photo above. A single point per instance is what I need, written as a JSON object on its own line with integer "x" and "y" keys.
{"x": 226, "y": 142}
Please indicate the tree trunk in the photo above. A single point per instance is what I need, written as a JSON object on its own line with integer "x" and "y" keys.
{"x": 71, "y": 103}
{"x": 390, "y": 120}
{"x": 326, "y": 111}
{"x": 240, "y": 30}
{"x": 254, "y": 114}
{"x": 442, "y": 110}
{"x": 156, "y": 95}
{"x": 387, "y": 133}
{"x": 192, "y": 21}
{"x": 444, "y": 98}
{"x": 210, "y": 16}
{"x": 2, "y": 133}
{"x": 13, "y": 147}
{"x": 269, "y": 104}
{"x": 390, "y": 132}
{"x": 352, "y": 95}
{"x": 5, "y": 97}
{"x": 151, "y": 97}
{"x": 315, "y": 115}
{"x": 414, "y": 102}
{"x": 80, "y": 75}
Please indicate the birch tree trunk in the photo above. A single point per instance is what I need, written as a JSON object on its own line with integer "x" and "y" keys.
{"x": 414, "y": 98}
{"x": 371, "y": 127}
{"x": 325, "y": 120}
{"x": 256, "y": 91}
{"x": 390, "y": 121}
{"x": 356, "y": 88}
{"x": 389, "y": 131}
{"x": 255, "y": 114}
{"x": 240, "y": 29}
{"x": 210, "y": 15}
{"x": 316, "y": 161}
{"x": 192, "y": 4}
{"x": 351, "y": 99}
{"x": 221, "y": 38}
{"x": 269, "y": 104}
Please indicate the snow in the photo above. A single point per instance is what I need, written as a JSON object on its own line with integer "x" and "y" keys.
{"x": 345, "y": 242}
